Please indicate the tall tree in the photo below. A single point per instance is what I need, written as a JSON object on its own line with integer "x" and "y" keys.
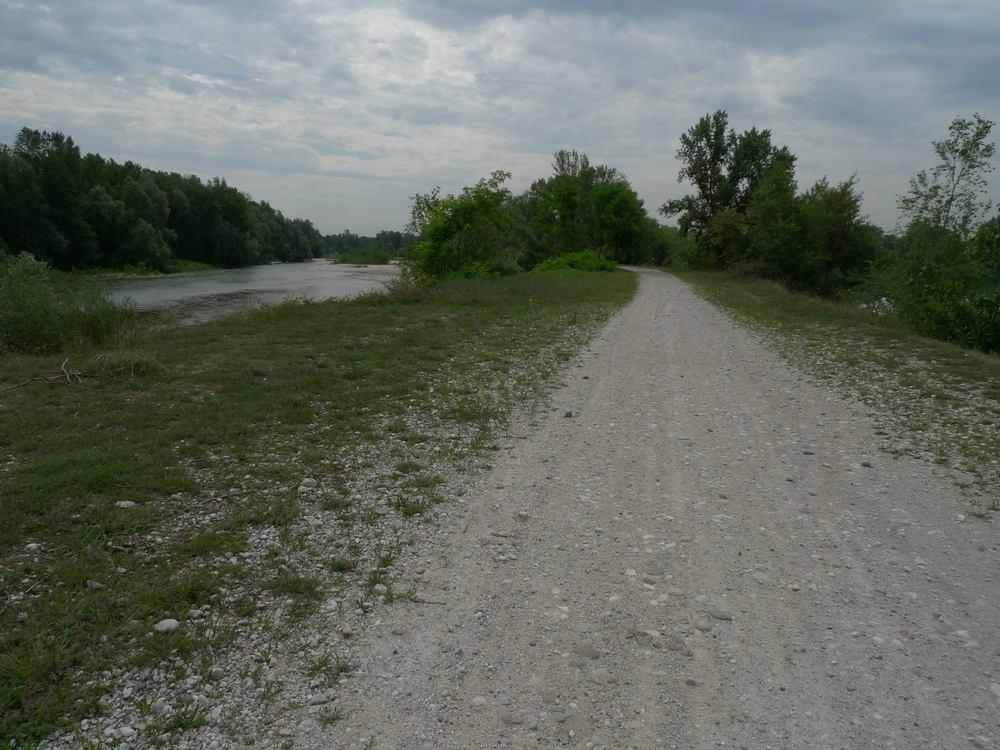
{"x": 724, "y": 166}
{"x": 951, "y": 195}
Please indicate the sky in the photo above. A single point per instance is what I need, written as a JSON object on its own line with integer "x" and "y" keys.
{"x": 339, "y": 112}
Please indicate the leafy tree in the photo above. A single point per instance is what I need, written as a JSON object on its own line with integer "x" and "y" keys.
{"x": 725, "y": 242}
{"x": 775, "y": 226}
{"x": 24, "y": 221}
{"x": 839, "y": 244}
{"x": 462, "y": 230}
{"x": 724, "y": 166}
{"x": 703, "y": 153}
{"x": 951, "y": 195}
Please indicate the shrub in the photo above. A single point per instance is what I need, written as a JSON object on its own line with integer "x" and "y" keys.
{"x": 505, "y": 267}
{"x": 583, "y": 261}
{"x": 37, "y": 315}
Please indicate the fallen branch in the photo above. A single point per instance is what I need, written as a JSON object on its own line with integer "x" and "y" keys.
{"x": 51, "y": 376}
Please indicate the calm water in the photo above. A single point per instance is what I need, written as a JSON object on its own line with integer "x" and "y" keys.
{"x": 198, "y": 296}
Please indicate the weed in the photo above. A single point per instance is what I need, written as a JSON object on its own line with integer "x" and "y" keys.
{"x": 330, "y": 716}
{"x": 340, "y": 565}
{"x": 188, "y": 717}
{"x": 328, "y": 667}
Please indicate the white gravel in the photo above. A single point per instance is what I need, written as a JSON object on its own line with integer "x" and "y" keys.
{"x": 711, "y": 552}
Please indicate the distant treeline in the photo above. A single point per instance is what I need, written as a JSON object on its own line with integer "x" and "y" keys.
{"x": 388, "y": 242}
{"x": 940, "y": 274}
{"x": 77, "y": 211}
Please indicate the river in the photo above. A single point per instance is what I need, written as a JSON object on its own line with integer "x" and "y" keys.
{"x": 197, "y": 296}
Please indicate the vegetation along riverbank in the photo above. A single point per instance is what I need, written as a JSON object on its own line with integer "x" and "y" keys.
{"x": 165, "y": 477}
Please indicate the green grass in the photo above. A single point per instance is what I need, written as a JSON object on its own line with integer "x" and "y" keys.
{"x": 210, "y": 406}
{"x": 935, "y": 397}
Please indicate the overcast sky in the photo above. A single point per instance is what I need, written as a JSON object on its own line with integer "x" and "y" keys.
{"x": 338, "y": 112}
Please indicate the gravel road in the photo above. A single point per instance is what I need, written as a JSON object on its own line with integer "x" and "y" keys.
{"x": 693, "y": 546}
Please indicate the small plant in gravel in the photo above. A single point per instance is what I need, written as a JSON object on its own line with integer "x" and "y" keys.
{"x": 409, "y": 507}
{"x": 340, "y": 565}
{"x": 327, "y": 667}
{"x": 271, "y": 690}
{"x": 187, "y": 717}
{"x": 330, "y": 716}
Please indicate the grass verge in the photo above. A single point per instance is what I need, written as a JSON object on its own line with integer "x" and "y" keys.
{"x": 931, "y": 399}
{"x": 128, "y": 497}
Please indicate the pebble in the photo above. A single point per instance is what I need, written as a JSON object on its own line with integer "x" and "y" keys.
{"x": 568, "y": 414}
{"x": 995, "y": 689}
{"x": 479, "y": 701}
{"x": 587, "y": 651}
{"x": 168, "y": 625}
{"x": 720, "y": 614}
{"x": 346, "y": 630}
{"x": 703, "y": 625}
{"x": 602, "y": 677}
{"x": 125, "y": 504}
{"x": 308, "y": 483}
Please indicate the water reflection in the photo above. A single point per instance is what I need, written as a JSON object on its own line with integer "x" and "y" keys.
{"x": 198, "y": 296}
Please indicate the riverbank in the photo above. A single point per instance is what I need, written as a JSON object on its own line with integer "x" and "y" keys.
{"x": 228, "y": 480}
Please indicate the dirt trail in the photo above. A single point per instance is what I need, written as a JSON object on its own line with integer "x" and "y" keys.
{"x": 711, "y": 552}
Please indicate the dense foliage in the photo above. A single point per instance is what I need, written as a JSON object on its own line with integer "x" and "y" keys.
{"x": 85, "y": 211}
{"x": 941, "y": 275}
{"x": 39, "y": 313}
{"x": 488, "y": 229}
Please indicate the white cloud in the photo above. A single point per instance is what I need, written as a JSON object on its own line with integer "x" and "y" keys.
{"x": 339, "y": 114}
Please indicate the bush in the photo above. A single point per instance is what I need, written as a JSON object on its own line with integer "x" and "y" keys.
{"x": 37, "y": 316}
{"x": 585, "y": 261}
{"x": 942, "y": 286}
{"x": 505, "y": 267}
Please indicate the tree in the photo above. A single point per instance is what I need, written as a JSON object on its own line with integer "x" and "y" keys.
{"x": 703, "y": 153}
{"x": 839, "y": 242}
{"x": 724, "y": 166}
{"x": 463, "y": 231}
{"x": 951, "y": 195}
{"x": 774, "y": 226}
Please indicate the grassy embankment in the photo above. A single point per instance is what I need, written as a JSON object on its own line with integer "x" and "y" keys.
{"x": 208, "y": 431}
{"x": 930, "y": 398}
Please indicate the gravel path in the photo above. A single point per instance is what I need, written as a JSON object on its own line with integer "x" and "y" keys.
{"x": 695, "y": 547}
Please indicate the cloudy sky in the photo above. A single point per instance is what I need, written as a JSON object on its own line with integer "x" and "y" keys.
{"x": 338, "y": 112}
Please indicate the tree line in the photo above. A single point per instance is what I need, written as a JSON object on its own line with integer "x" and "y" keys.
{"x": 940, "y": 272}
{"x": 77, "y": 211}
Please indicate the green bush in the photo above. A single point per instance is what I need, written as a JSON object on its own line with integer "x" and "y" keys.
{"x": 942, "y": 286}
{"x": 583, "y": 261}
{"x": 505, "y": 267}
{"x": 39, "y": 315}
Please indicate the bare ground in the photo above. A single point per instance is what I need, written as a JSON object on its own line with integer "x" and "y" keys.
{"x": 710, "y": 552}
